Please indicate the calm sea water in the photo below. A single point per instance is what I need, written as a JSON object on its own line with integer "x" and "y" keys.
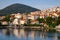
{"x": 21, "y": 34}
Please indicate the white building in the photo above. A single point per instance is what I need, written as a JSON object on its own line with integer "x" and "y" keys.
{"x": 57, "y": 28}
{"x": 55, "y": 14}
{"x": 15, "y": 22}
{"x": 22, "y": 21}
{"x": 4, "y": 23}
{"x": 18, "y": 15}
{"x": 34, "y": 22}
{"x": 32, "y": 17}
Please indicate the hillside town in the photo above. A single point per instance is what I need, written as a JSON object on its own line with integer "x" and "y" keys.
{"x": 30, "y": 18}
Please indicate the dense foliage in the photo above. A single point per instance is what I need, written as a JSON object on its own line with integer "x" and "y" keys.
{"x": 41, "y": 20}
{"x": 7, "y": 18}
{"x": 51, "y": 22}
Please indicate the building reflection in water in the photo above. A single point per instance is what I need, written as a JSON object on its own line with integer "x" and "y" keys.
{"x": 7, "y": 32}
{"x": 32, "y": 35}
{"x": 4, "y": 31}
{"x": 43, "y": 35}
{"x": 19, "y": 33}
{"x": 15, "y": 32}
{"x": 22, "y": 33}
{"x": 55, "y": 37}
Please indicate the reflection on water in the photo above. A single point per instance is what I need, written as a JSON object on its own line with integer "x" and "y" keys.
{"x": 21, "y": 34}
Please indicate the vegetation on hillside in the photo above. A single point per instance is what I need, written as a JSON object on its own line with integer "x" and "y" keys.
{"x": 17, "y": 8}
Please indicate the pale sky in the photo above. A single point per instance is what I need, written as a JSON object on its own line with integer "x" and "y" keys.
{"x": 39, "y": 4}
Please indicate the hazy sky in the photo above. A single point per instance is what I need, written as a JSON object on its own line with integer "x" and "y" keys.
{"x": 40, "y": 4}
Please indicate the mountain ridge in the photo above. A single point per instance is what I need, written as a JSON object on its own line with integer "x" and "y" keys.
{"x": 17, "y": 8}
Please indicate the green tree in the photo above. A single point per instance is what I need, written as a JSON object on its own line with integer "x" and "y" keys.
{"x": 58, "y": 20}
{"x": 51, "y": 22}
{"x": 7, "y": 18}
{"x": 41, "y": 20}
{"x": 29, "y": 21}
